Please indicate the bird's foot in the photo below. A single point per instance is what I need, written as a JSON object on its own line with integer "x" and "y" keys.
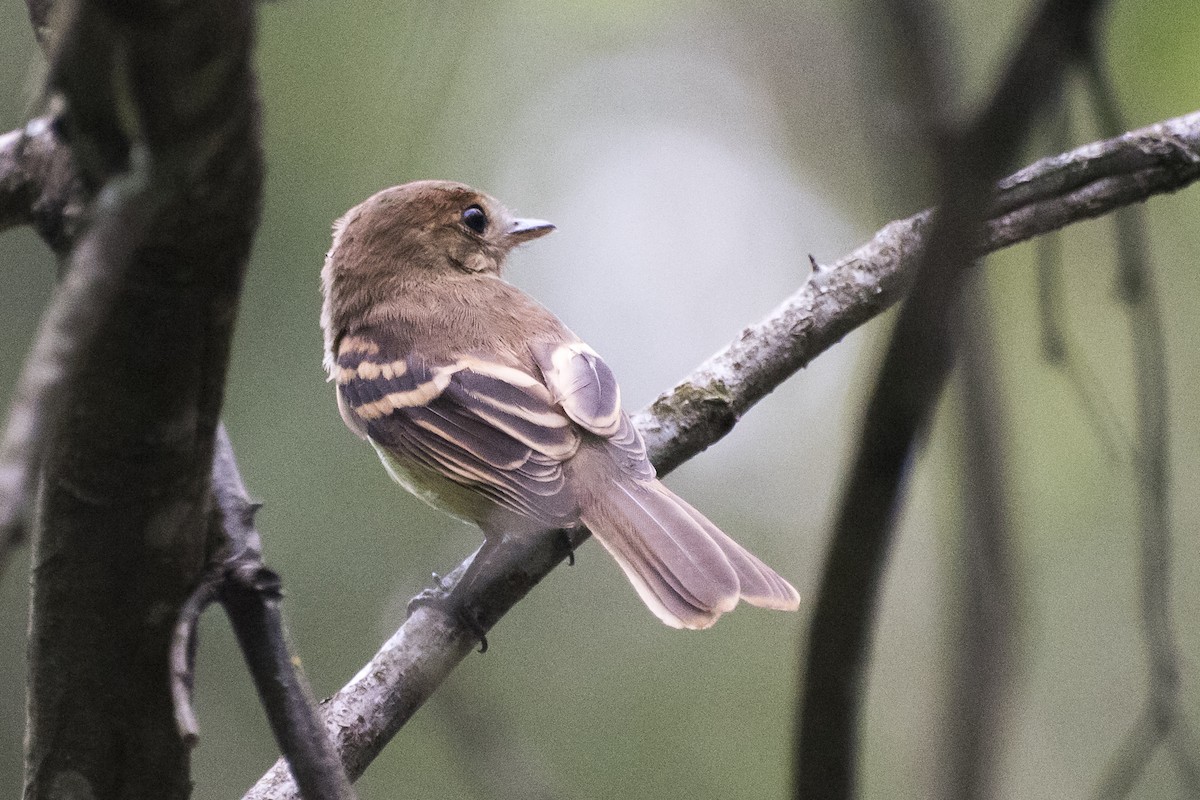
{"x": 438, "y": 597}
{"x": 567, "y": 542}
{"x": 435, "y": 595}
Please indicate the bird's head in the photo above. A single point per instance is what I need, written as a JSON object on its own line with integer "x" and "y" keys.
{"x": 402, "y": 237}
{"x": 429, "y": 226}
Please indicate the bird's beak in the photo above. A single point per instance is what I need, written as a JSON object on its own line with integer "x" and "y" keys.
{"x": 526, "y": 230}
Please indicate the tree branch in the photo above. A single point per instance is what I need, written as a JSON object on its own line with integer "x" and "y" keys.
{"x": 375, "y": 704}
{"x": 1087, "y": 182}
{"x": 1049, "y": 194}
{"x": 68, "y": 330}
{"x": 127, "y": 445}
{"x": 918, "y": 360}
{"x": 981, "y": 653}
{"x": 250, "y": 593}
{"x": 39, "y": 185}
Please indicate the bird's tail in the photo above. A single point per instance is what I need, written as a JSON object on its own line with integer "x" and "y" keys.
{"x": 685, "y": 569}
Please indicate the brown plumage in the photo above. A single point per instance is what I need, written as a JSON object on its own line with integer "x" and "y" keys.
{"x": 483, "y": 403}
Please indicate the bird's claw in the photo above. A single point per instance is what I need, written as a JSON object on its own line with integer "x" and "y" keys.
{"x": 437, "y": 597}
{"x": 434, "y": 596}
{"x": 567, "y": 543}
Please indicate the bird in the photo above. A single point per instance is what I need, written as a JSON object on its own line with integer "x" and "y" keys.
{"x": 481, "y": 402}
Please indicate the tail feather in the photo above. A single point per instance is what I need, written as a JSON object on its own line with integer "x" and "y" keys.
{"x": 760, "y": 585}
{"x": 685, "y": 569}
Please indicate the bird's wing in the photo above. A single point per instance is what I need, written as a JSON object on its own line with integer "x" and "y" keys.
{"x": 587, "y": 391}
{"x": 486, "y": 426}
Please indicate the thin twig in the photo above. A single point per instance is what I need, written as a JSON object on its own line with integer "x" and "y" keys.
{"x": 371, "y": 709}
{"x": 1057, "y": 346}
{"x": 183, "y": 658}
{"x": 250, "y": 593}
{"x": 1137, "y": 290}
{"x": 251, "y": 596}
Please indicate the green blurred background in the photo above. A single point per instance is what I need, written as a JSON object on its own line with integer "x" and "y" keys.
{"x": 692, "y": 155}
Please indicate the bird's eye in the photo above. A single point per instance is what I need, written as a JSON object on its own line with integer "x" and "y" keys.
{"x": 475, "y": 219}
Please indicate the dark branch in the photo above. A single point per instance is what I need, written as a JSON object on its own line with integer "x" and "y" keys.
{"x": 129, "y": 377}
{"x": 69, "y": 327}
{"x": 909, "y": 382}
{"x": 38, "y": 184}
{"x": 251, "y": 595}
{"x": 410, "y": 666}
{"x": 981, "y": 657}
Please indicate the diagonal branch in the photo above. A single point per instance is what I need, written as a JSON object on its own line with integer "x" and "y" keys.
{"x": 251, "y": 594}
{"x": 702, "y": 408}
{"x": 1084, "y": 183}
{"x": 1088, "y": 182}
{"x": 68, "y": 328}
{"x": 1054, "y": 192}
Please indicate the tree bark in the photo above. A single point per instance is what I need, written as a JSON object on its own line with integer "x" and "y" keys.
{"x": 124, "y": 512}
